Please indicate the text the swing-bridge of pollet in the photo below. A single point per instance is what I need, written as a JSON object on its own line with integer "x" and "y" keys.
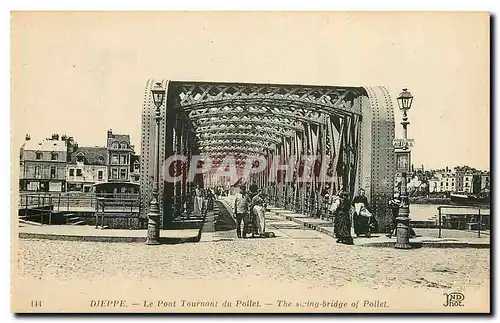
{"x": 292, "y": 141}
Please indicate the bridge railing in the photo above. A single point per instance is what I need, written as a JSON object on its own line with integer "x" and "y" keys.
{"x": 70, "y": 201}
{"x": 470, "y": 218}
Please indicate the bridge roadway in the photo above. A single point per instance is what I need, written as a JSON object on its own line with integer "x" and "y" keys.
{"x": 282, "y": 227}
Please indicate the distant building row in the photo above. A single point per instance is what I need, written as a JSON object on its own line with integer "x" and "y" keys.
{"x": 57, "y": 164}
{"x": 460, "y": 180}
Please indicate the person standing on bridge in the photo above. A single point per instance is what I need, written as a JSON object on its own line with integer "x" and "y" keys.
{"x": 259, "y": 210}
{"x": 342, "y": 220}
{"x": 362, "y": 216}
{"x": 198, "y": 200}
{"x": 394, "y": 204}
{"x": 241, "y": 211}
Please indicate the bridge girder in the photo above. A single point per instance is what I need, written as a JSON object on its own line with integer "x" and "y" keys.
{"x": 290, "y": 125}
{"x": 193, "y": 95}
{"x": 239, "y": 135}
{"x": 276, "y": 132}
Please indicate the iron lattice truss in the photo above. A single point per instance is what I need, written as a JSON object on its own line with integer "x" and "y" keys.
{"x": 252, "y": 119}
{"x": 351, "y": 128}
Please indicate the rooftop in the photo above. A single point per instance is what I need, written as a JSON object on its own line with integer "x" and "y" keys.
{"x": 91, "y": 155}
{"x": 45, "y": 145}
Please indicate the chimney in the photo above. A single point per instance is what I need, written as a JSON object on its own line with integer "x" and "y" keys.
{"x": 110, "y": 133}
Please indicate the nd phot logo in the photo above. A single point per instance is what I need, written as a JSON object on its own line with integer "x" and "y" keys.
{"x": 454, "y": 299}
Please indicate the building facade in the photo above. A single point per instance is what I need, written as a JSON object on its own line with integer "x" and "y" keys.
{"x": 86, "y": 168}
{"x": 135, "y": 169}
{"x": 43, "y": 164}
{"x": 485, "y": 182}
{"x": 468, "y": 182}
{"x": 121, "y": 170}
{"x": 443, "y": 181}
{"x": 120, "y": 155}
{"x": 462, "y": 179}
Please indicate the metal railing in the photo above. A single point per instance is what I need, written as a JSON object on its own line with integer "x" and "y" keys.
{"x": 70, "y": 201}
{"x": 42, "y": 205}
{"x": 467, "y": 217}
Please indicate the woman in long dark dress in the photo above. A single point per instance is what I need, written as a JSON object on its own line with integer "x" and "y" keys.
{"x": 361, "y": 223}
{"x": 342, "y": 220}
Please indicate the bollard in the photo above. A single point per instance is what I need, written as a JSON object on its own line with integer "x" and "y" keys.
{"x": 480, "y": 221}
{"x": 439, "y": 214}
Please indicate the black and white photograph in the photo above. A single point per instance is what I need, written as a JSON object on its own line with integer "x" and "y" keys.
{"x": 250, "y": 162}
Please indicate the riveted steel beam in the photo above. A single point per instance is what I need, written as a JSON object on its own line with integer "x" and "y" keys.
{"x": 263, "y": 120}
{"x": 239, "y": 135}
{"x": 276, "y": 132}
{"x": 192, "y": 95}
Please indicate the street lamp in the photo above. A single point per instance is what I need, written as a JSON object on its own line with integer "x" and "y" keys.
{"x": 403, "y": 163}
{"x": 153, "y": 238}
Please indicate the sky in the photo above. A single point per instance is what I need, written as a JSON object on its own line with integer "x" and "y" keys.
{"x": 81, "y": 74}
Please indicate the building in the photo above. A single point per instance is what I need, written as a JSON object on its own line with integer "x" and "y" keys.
{"x": 485, "y": 182}
{"x": 120, "y": 154}
{"x": 468, "y": 182}
{"x": 43, "y": 163}
{"x": 135, "y": 169}
{"x": 86, "y": 168}
{"x": 121, "y": 161}
{"x": 443, "y": 181}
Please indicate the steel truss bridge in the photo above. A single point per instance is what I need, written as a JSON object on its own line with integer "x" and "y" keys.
{"x": 350, "y": 129}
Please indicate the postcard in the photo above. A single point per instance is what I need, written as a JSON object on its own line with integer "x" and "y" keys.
{"x": 250, "y": 162}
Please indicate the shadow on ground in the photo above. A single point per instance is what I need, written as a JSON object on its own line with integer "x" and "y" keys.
{"x": 225, "y": 220}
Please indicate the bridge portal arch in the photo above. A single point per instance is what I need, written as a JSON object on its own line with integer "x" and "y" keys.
{"x": 350, "y": 128}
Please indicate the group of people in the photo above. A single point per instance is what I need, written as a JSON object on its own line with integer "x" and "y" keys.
{"x": 348, "y": 213}
{"x": 202, "y": 202}
{"x": 220, "y": 191}
{"x": 249, "y": 209}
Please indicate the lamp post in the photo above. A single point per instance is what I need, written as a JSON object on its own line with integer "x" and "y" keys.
{"x": 403, "y": 162}
{"x": 153, "y": 238}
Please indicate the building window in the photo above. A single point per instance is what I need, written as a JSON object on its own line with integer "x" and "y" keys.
{"x": 79, "y": 158}
{"x": 123, "y": 160}
{"x": 123, "y": 174}
{"x": 71, "y": 172}
{"x": 114, "y": 159}
{"x": 54, "y": 156}
{"x": 37, "y": 171}
{"x": 100, "y": 160}
{"x": 114, "y": 173}
{"x": 39, "y": 155}
{"x": 115, "y": 145}
{"x": 466, "y": 184}
{"x": 100, "y": 175}
{"x": 78, "y": 172}
{"x": 52, "y": 172}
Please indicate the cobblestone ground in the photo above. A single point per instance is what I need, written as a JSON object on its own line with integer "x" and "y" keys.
{"x": 295, "y": 255}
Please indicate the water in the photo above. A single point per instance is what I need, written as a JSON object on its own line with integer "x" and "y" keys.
{"x": 422, "y": 212}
